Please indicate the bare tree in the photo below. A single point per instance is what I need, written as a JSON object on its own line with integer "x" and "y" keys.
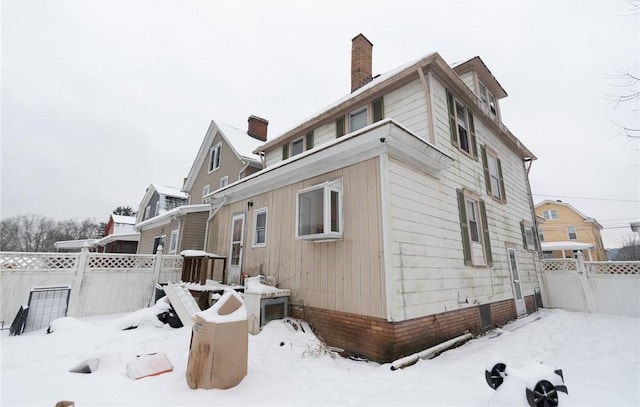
{"x": 630, "y": 250}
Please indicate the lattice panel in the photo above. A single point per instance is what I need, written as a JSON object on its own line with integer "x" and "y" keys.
{"x": 559, "y": 265}
{"x": 171, "y": 263}
{"x": 614, "y": 267}
{"x": 105, "y": 261}
{"x": 38, "y": 261}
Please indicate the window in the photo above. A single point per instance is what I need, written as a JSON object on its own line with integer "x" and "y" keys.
{"x": 157, "y": 242}
{"x": 173, "y": 244}
{"x": 205, "y": 191}
{"x": 476, "y": 244}
{"x": 488, "y": 99}
{"x": 493, "y": 174}
{"x": 550, "y": 214}
{"x": 319, "y": 211}
{"x": 461, "y": 126}
{"x": 571, "y": 231}
{"x": 147, "y": 212}
{"x": 214, "y": 157}
{"x": 260, "y": 228}
{"x": 358, "y": 119}
{"x": 224, "y": 181}
{"x": 541, "y": 234}
{"x": 297, "y": 146}
{"x": 528, "y": 234}
{"x": 157, "y": 211}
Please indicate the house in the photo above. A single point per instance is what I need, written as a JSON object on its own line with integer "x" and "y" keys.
{"x": 119, "y": 237}
{"x": 177, "y": 219}
{"x": 566, "y": 230}
{"x": 395, "y": 217}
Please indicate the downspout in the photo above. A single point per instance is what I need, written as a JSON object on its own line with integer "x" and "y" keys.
{"x": 246, "y": 164}
{"x": 526, "y": 163}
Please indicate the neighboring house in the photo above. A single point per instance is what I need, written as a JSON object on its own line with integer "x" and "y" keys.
{"x": 119, "y": 237}
{"x": 177, "y": 219}
{"x": 566, "y": 230}
{"x": 397, "y": 217}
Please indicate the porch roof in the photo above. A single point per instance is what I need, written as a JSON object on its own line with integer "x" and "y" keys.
{"x": 548, "y": 246}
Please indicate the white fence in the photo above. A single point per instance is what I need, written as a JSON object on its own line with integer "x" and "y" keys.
{"x": 607, "y": 287}
{"x": 101, "y": 283}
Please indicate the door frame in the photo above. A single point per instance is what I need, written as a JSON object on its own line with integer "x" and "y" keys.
{"x": 521, "y": 308}
{"x": 233, "y": 273}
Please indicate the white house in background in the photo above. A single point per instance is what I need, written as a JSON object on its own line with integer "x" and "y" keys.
{"x": 396, "y": 217}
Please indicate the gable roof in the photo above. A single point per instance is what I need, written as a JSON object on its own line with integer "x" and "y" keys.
{"x": 163, "y": 191}
{"x": 405, "y": 72}
{"x": 241, "y": 143}
{"x": 476, "y": 63}
{"x": 585, "y": 217}
{"x": 127, "y": 220}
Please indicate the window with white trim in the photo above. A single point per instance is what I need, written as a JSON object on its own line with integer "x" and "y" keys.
{"x": 297, "y": 146}
{"x": 550, "y": 214}
{"x": 493, "y": 174}
{"x": 173, "y": 244}
{"x": 476, "y": 244}
{"x": 528, "y": 235}
{"x": 214, "y": 157}
{"x": 205, "y": 191}
{"x": 147, "y": 212}
{"x": 157, "y": 242}
{"x": 461, "y": 126}
{"x": 540, "y": 234}
{"x": 358, "y": 119}
{"x": 572, "y": 233}
{"x": 319, "y": 211}
{"x": 488, "y": 99}
{"x": 260, "y": 227}
{"x": 224, "y": 181}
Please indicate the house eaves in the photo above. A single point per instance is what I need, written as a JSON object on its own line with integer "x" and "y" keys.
{"x": 76, "y": 244}
{"x": 241, "y": 143}
{"x": 484, "y": 74}
{"x": 383, "y": 137}
{"x": 166, "y": 217}
{"x": 125, "y": 237}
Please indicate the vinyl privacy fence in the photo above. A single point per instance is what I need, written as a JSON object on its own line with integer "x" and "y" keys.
{"x": 610, "y": 287}
{"x": 100, "y": 283}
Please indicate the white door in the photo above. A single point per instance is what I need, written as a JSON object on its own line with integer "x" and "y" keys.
{"x": 513, "y": 265}
{"x": 235, "y": 251}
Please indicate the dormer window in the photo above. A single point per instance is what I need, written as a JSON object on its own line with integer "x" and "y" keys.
{"x": 358, "y": 119}
{"x": 488, "y": 99}
{"x": 298, "y": 146}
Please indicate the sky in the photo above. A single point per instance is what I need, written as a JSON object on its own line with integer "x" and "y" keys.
{"x": 102, "y": 98}
{"x": 598, "y": 355}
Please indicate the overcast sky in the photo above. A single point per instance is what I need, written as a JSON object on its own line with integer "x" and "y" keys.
{"x": 102, "y": 98}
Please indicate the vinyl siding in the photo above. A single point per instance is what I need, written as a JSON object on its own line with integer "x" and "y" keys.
{"x": 408, "y": 106}
{"x": 344, "y": 275}
{"x": 192, "y": 231}
{"x": 145, "y": 246}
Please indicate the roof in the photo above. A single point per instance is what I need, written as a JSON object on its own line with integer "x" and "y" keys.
{"x": 476, "y": 63}
{"x": 241, "y": 143}
{"x": 548, "y": 246}
{"x": 166, "y": 216}
{"x": 127, "y": 220}
{"x": 75, "y": 244}
{"x": 169, "y": 191}
{"x": 585, "y": 217}
{"x": 122, "y": 237}
{"x": 446, "y": 74}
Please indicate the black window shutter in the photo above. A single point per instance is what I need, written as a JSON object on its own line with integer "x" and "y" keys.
{"x": 524, "y": 235}
{"x": 340, "y": 127}
{"x": 285, "y": 151}
{"x": 472, "y": 136}
{"x": 485, "y": 167}
{"x": 504, "y": 192}
{"x": 485, "y": 230}
{"x": 452, "y": 120}
{"x": 309, "y": 140}
{"x": 378, "y": 110}
{"x": 464, "y": 228}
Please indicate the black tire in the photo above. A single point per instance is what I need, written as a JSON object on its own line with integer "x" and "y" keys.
{"x": 495, "y": 377}
{"x": 544, "y": 394}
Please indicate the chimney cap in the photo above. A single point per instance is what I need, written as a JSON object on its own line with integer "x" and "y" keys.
{"x": 365, "y": 38}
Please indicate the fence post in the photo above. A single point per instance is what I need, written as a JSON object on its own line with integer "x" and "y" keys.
{"x": 157, "y": 267}
{"x": 584, "y": 282}
{"x": 74, "y": 298}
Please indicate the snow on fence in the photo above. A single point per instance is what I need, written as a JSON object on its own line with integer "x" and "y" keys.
{"x": 101, "y": 283}
{"x": 609, "y": 287}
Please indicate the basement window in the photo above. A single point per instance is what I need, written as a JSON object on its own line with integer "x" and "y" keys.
{"x": 319, "y": 212}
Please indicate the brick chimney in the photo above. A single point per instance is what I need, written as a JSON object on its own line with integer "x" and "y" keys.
{"x": 258, "y": 128}
{"x": 361, "y": 50}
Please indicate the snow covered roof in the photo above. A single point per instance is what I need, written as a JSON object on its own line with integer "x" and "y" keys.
{"x": 166, "y": 216}
{"x": 169, "y": 191}
{"x": 125, "y": 237}
{"x": 75, "y": 244}
{"x": 199, "y": 253}
{"x": 241, "y": 143}
{"x": 127, "y": 220}
{"x": 548, "y": 246}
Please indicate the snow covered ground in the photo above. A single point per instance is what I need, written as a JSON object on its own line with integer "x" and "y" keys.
{"x": 599, "y": 355}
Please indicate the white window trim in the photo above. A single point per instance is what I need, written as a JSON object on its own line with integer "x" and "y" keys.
{"x": 163, "y": 239}
{"x": 205, "y": 191}
{"x": 173, "y": 243}
{"x": 359, "y": 110}
{"x": 549, "y": 212}
{"x": 224, "y": 181}
{"x": 147, "y": 212}
{"x": 217, "y": 150}
{"x": 575, "y": 232}
{"x": 529, "y": 237}
{"x": 492, "y": 158}
{"x": 257, "y": 212}
{"x": 327, "y": 188}
{"x": 467, "y": 126}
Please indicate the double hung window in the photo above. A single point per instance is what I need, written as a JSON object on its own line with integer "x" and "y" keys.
{"x": 476, "y": 244}
{"x": 493, "y": 174}
{"x": 214, "y": 157}
{"x": 461, "y": 127}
